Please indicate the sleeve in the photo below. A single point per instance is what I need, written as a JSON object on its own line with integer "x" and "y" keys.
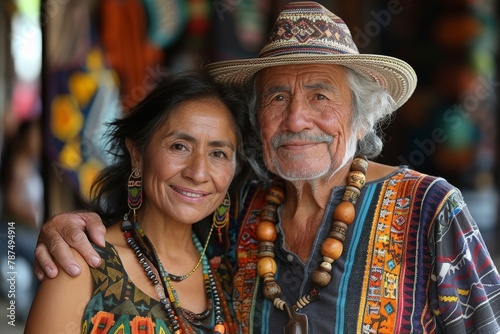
{"x": 466, "y": 294}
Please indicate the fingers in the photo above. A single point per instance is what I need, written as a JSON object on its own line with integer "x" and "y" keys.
{"x": 62, "y": 232}
{"x": 40, "y": 275}
{"x": 44, "y": 266}
{"x": 77, "y": 239}
{"x": 58, "y": 248}
{"x": 95, "y": 228}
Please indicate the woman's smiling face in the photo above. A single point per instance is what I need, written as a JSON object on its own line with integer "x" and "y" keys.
{"x": 189, "y": 162}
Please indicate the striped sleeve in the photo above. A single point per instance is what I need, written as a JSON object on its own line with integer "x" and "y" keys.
{"x": 465, "y": 294}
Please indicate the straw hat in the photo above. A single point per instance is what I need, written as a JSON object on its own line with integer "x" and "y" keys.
{"x": 308, "y": 33}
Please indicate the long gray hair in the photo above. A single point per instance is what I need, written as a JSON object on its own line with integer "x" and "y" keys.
{"x": 372, "y": 109}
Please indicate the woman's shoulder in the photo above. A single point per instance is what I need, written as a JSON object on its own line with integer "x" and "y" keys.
{"x": 64, "y": 281}
{"x": 51, "y": 303}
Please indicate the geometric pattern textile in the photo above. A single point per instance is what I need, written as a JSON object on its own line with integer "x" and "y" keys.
{"x": 117, "y": 306}
{"x": 413, "y": 262}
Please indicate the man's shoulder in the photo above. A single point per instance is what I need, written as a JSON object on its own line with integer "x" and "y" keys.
{"x": 427, "y": 180}
{"x": 431, "y": 190}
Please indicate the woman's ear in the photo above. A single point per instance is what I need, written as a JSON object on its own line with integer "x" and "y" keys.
{"x": 136, "y": 158}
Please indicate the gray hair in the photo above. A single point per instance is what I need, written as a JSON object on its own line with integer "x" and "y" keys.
{"x": 372, "y": 108}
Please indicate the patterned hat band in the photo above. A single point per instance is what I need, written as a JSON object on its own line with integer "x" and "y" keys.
{"x": 308, "y": 33}
{"x": 309, "y": 30}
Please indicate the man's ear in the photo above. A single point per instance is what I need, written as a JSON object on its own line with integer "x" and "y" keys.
{"x": 360, "y": 134}
{"x": 135, "y": 156}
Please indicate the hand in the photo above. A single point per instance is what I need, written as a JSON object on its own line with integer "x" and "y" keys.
{"x": 65, "y": 230}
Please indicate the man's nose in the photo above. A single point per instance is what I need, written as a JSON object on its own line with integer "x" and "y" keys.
{"x": 298, "y": 115}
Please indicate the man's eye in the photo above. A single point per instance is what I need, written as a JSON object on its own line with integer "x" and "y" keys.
{"x": 279, "y": 98}
{"x": 320, "y": 97}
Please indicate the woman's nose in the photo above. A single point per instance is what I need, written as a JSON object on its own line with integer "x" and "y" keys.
{"x": 197, "y": 169}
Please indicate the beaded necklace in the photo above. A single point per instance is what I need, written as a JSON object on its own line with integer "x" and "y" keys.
{"x": 331, "y": 249}
{"x": 143, "y": 249}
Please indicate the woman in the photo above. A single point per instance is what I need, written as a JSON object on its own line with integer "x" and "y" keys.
{"x": 176, "y": 154}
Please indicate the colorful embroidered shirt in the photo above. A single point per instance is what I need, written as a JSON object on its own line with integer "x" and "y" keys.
{"x": 413, "y": 262}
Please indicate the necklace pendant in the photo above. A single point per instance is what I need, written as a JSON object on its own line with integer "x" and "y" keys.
{"x": 297, "y": 322}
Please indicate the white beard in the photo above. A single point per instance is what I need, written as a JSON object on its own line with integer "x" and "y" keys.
{"x": 306, "y": 174}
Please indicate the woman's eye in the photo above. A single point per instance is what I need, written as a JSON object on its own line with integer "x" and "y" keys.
{"x": 179, "y": 147}
{"x": 279, "y": 98}
{"x": 219, "y": 154}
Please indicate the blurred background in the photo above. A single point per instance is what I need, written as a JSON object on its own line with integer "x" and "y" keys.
{"x": 68, "y": 66}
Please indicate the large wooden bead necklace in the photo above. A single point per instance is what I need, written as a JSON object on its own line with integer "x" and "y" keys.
{"x": 147, "y": 256}
{"x": 331, "y": 249}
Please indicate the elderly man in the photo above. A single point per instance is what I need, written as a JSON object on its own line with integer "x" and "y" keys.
{"x": 336, "y": 243}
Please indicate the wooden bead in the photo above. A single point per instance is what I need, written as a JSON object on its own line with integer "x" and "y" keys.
{"x": 337, "y": 223}
{"x": 328, "y": 259}
{"x": 332, "y": 248}
{"x": 269, "y": 216}
{"x": 275, "y": 195}
{"x": 266, "y": 265}
{"x": 268, "y": 213}
{"x": 302, "y": 302}
{"x": 271, "y": 290}
{"x": 219, "y": 329}
{"x": 344, "y": 212}
{"x": 320, "y": 277}
{"x": 356, "y": 179}
{"x": 266, "y": 231}
{"x": 269, "y": 277}
{"x": 338, "y": 231}
{"x": 279, "y": 304}
{"x": 266, "y": 248}
{"x": 359, "y": 165}
{"x": 326, "y": 266}
{"x": 351, "y": 194}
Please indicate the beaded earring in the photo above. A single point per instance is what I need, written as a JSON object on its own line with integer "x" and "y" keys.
{"x": 134, "y": 190}
{"x": 221, "y": 216}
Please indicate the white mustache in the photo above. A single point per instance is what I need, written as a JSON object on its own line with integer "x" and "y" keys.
{"x": 285, "y": 138}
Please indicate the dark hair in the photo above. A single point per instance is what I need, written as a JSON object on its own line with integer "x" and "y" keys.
{"x": 108, "y": 192}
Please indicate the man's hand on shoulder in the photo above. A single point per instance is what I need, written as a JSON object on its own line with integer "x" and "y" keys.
{"x": 65, "y": 230}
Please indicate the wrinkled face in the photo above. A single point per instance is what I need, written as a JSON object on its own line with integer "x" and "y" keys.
{"x": 189, "y": 162}
{"x": 305, "y": 120}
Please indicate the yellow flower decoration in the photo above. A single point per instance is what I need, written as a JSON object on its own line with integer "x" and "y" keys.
{"x": 94, "y": 60}
{"x": 70, "y": 155}
{"x": 82, "y": 86}
{"x": 66, "y": 120}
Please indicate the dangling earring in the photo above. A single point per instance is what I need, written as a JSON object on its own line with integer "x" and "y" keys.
{"x": 221, "y": 216}
{"x": 134, "y": 190}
